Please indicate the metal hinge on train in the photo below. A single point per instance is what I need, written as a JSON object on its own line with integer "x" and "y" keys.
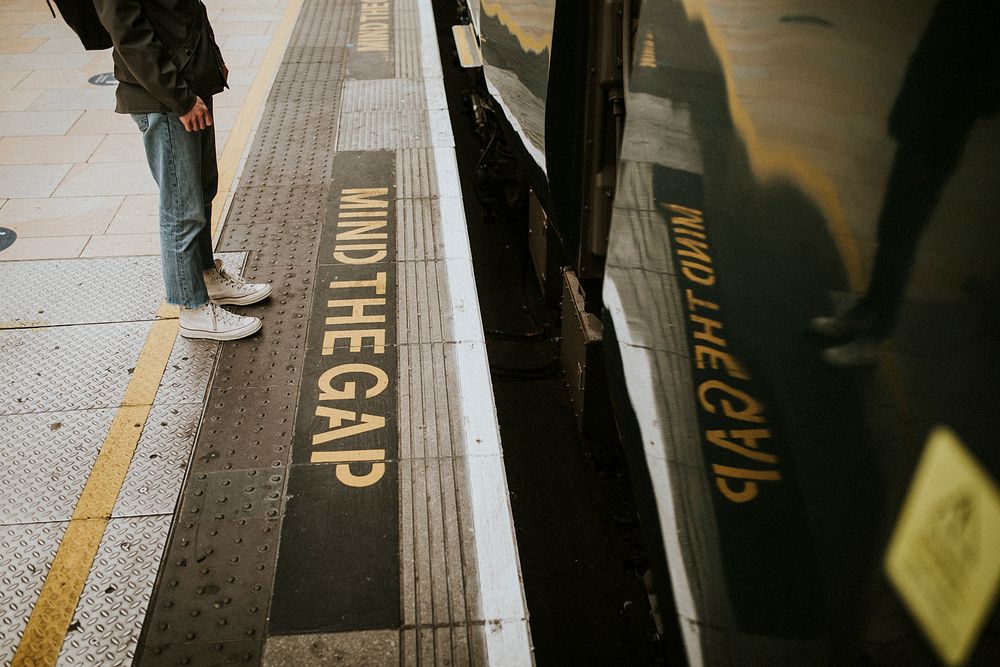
{"x": 583, "y": 363}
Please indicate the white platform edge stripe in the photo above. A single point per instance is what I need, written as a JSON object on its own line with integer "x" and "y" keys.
{"x": 508, "y": 639}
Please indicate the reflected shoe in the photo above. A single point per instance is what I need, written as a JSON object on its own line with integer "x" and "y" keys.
{"x": 863, "y": 351}
{"x": 855, "y": 323}
{"x": 213, "y": 322}
{"x": 226, "y": 289}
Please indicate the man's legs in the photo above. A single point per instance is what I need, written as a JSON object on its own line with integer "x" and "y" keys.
{"x": 920, "y": 171}
{"x": 184, "y": 166}
{"x": 175, "y": 158}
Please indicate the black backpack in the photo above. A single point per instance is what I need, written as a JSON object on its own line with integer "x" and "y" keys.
{"x": 82, "y": 18}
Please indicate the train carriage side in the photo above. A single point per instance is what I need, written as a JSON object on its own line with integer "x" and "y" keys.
{"x": 783, "y": 218}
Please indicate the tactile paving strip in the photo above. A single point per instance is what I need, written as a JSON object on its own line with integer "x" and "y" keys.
{"x": 436, "y": 566}
{"x": 279, "y": 226}
{"x": 48, "y": 456}
{"x": 424, "y": 303}
{"x": 294, "y": 141}
{"x": 299, "y": 137}
{"x": 206, "y": 653}
{"x": 429, "y": 407}
{"x": 383, "y": 95}
{"x": 322, "y": 24}
{"x": 69, "y": 368}
{"x": 106, "y": 624}
{"x": 26, "y": 552}
{"x": 378, "y": 130}
{"x": 324, "y": 55}
{"x": 450, "y": 645}
{"x": 245, "y": 428}
{"x": 439, "y": 569}
{"x": 407, "y": 40}
{"x": 292, "y": 208}
{"x": 419, "y": 234}
{"x": 274, "y": 357}
{"x": 416, "y": 174}
{"x": 298, "y": 240}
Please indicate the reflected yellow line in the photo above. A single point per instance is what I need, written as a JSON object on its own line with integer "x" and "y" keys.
{"x": 56, "y": 605}
{"x": 768, "y": 162}
{"x": 529, "y": 42}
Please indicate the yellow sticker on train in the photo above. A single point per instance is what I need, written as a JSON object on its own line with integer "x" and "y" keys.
{"x": 944, "y": 555}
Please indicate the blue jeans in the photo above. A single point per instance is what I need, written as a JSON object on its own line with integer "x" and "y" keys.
{"x": 184, "y": 167}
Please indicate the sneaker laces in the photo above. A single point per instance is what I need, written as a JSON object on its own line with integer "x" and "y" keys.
{"x": 229, "y": 279}
{"x": 223, "y": 316}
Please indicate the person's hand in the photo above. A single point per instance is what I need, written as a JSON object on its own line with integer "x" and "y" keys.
{"x": 198, "y": 118}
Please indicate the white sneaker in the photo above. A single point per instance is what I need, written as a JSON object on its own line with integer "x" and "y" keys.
{"x": 226, "y": 289}
{"x": 216, "y": 323}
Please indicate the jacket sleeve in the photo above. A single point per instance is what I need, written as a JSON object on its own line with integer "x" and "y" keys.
{"x": 144, "y": 54}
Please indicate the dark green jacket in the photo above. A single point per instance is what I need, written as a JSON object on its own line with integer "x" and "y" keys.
{"x": 164, "y": 52}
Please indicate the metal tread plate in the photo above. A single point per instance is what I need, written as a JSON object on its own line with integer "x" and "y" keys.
{"x": 48, "y": 456}
{"x": 80, "y": 291}
{"x": 49, "y": 292}
{"x": 188, "y": 370}
{"x": 106, "y": 624}
{"x": 26, "y": 552}
{"x": 76, "y": 367}
{"x": 156, "y": 473}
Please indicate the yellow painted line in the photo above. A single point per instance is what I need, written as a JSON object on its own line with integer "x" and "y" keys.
{"x": 56, "y": 604}
{"x": 53, "y": 611}
{"x": 239, "y": 136}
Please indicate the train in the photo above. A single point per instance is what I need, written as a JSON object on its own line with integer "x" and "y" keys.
{"x": 773, "y": 229}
